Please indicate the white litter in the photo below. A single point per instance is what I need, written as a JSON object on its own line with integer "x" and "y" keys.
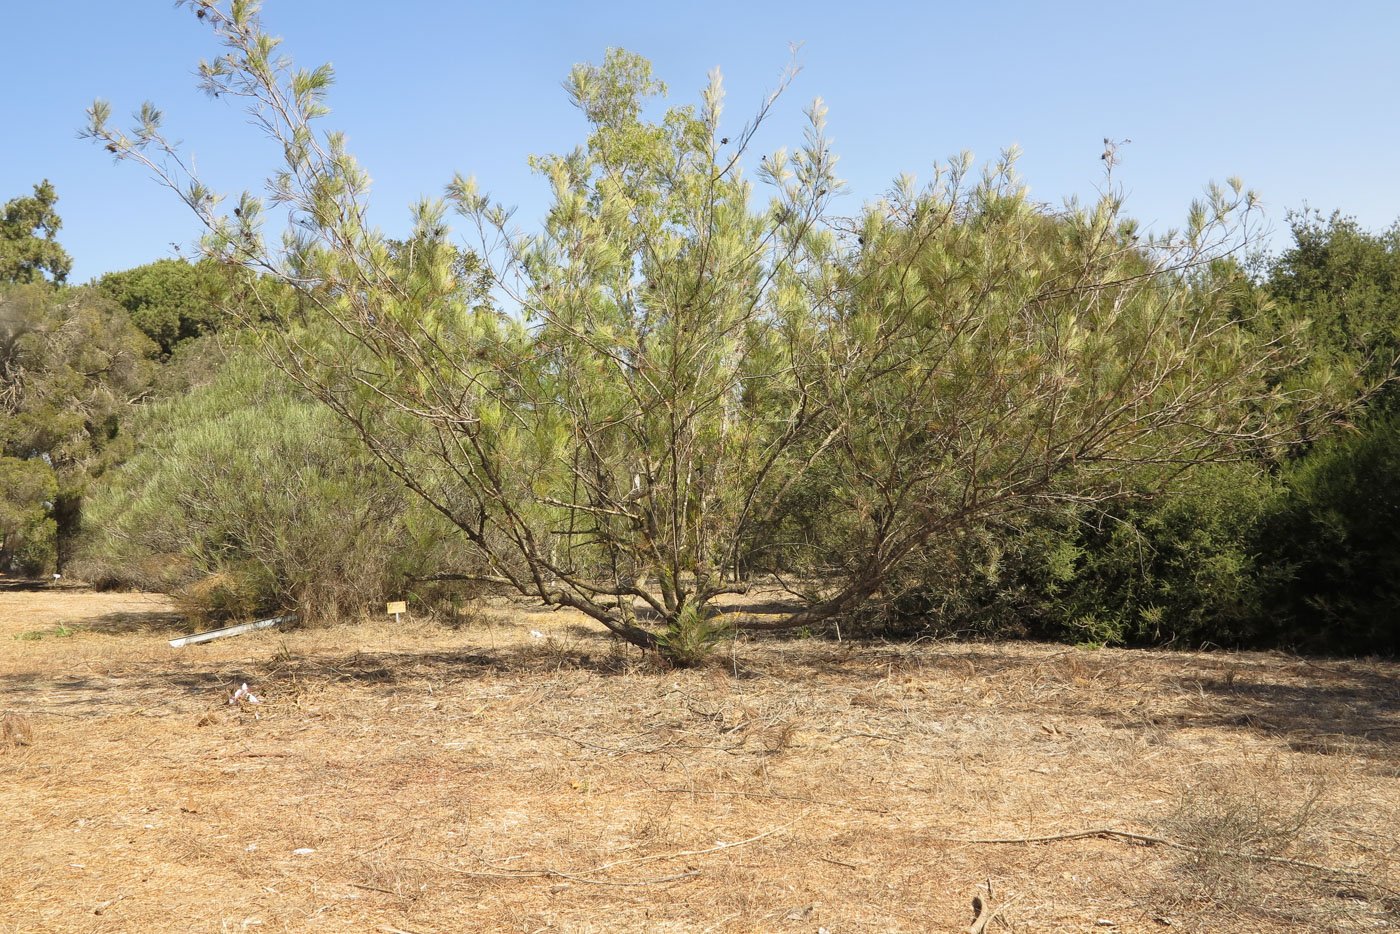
{"x": 239, "y": 630}
{"x": 536, "y": 634}
{"x": 303, "y": 851}
{"x": 243, "y": 694}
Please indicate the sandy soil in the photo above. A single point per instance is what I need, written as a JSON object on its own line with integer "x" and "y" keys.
{"x": 519, "y": 772}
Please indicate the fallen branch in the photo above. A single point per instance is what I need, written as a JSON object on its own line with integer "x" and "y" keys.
{"x": 837, "y": 862}
{"x": 981, "y": 917}
{"x": 252, "y": 755}
{"x": 1147, "y": 840}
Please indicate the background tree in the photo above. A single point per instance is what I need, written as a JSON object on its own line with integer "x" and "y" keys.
{"x": 71, "y": 367}
{"x": 28, "y": 489}
{"x": 1345, "y": 282}
{"x": 165, "y": 299}
{"x": 674, "y": 368}
{"x": 29, "y": 251}
{"x": 1294, "y": 556}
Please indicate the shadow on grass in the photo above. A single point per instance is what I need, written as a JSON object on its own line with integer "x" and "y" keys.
{"x": 1343, "y": 707}
{"x": 1331, "y": 707}
{"x": 29, "y": 584}
{"x": 126, "y": 623}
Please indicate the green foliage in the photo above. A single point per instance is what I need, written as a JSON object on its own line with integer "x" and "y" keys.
{"x": 1335, "y": 536}
{"x": 71, "y": 366}
{"x": 691, "y": 635}
{"x": 1246, "y": 555}
{"x": 1339, "y": 536}
{"x": 1181, "y": 571}
{"x": 246, "y": 497}
{"x": 1185, "y": 569}
{"x": 1346, "y": 282}
{"x": 29, "y": 251}
{"x": 165, "y": 299}
{"x": 28, "y": 489}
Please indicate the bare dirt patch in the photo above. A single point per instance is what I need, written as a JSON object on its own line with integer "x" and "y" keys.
{"x": 525, "y": 774}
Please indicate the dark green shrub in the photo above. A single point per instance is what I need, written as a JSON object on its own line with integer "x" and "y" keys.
{"x": 1182, "y": 569}
{"x": 1339, "y": 539}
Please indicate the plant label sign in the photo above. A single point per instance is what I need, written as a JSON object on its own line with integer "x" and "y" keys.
{"x": 397, "y": 607}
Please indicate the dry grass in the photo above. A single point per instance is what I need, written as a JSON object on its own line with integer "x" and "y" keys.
{"x": 480, "y": 778}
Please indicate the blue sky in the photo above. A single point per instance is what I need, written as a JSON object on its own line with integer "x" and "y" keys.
{"x": 1297, "y": 99}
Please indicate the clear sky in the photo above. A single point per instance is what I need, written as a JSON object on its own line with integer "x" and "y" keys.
{"x": 1299, "y": 99}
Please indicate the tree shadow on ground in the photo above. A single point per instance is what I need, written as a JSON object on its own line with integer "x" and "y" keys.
{"x": 28, "y": 584}
{"x": 1341, "y": 707}
{"x": 185, "y": 686}
{"x": 146, "y": 621}
{"x": 1333, "y": 707}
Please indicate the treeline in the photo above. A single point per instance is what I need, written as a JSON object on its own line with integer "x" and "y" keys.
{"x": 147, "y": 444}
{"x": 958, "y": 411}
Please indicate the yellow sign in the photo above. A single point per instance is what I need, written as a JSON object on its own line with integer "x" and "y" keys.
{"x": 400, "y": 606}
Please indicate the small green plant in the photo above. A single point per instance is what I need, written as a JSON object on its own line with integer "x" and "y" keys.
{"x": 691, "y": 636}
{"x": 1094, "y": 632}
{"x": 60, "y": 631}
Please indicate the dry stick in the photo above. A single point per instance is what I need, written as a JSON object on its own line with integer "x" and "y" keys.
{"x": 981, "y": 916}
{"x": 1149, "y": 841}
{"x": 44, "y": 713}
{"x": 837, "y": 862}
{"x": 373, "y": 847}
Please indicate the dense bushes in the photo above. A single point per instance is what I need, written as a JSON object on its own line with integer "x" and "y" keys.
{"x": 1302, "y": 554}
{"x": 1181, "y": 570}
{"x": 28, "y": 532}
{"x": 1339, "y": 536}
{"x": 248, "y": 498}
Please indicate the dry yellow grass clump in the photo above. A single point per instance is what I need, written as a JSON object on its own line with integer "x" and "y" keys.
{"x": 523, "y": 774}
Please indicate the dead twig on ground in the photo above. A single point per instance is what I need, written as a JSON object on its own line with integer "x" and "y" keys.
{"x": 1148, "y": 840}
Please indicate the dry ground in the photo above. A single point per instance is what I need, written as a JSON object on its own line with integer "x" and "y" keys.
{"x": 430, "y": 779}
